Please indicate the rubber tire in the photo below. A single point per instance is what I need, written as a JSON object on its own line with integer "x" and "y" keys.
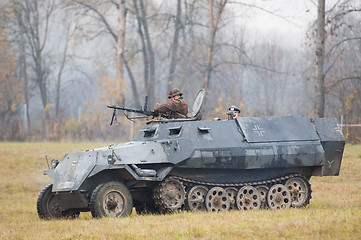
{"x": 44, "y": 212}
{"x": 96, "y": 200}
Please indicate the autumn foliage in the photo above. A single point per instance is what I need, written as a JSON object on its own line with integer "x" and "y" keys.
{"x": 63, "y": 62}
{"x": 11, "y": 89}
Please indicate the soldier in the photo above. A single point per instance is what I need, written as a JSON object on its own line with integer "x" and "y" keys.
{"x": 233, "y": 112}
{"x": 176, "y": 108}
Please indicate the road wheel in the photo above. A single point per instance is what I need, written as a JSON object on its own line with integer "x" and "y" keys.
{"x": 48, "y": 206}
{"x": 300, "y": 190}
{"x": 248, "y": 198}
{"x": 111, "y": 199}
{"x": 232, "y": 194}
{"x": 217, "y": 200}
{"x": 278, "y": 197}
{"x": 196, "y": 197}
{"x": 263, "y": 190}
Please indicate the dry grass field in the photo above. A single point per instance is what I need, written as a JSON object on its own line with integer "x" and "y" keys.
{"x": 333, "y": 213}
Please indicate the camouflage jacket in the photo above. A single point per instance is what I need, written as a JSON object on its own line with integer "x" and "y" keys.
{"x": 176, "y": 108}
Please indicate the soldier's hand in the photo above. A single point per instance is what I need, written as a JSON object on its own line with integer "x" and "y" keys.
{"x": 156, "y": 107}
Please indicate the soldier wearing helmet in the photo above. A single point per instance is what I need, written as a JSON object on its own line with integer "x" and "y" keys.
{"x": 233, "y": 112}
{"x": 175, "y": 108}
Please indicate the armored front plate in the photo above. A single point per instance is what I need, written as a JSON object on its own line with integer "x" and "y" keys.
{"x": 73, "y": 169}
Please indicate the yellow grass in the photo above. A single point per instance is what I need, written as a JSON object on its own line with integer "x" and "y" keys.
{"x": 333, "y": 213}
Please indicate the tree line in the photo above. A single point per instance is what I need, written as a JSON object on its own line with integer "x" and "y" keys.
{"x": 62, "y": 62}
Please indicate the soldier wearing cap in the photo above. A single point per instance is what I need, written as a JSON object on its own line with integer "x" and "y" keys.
{"x": 233, "y": 112}
{"x": 176, "y": 108}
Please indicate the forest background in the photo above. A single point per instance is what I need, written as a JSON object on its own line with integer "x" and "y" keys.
{"x": 63, "y": 61}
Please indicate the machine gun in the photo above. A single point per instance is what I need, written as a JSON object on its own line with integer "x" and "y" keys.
{"x": 161, "y": 118}
{"x": 143, "y": 111}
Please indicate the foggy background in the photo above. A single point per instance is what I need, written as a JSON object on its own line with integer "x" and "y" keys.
{"x": 59, "y": 68}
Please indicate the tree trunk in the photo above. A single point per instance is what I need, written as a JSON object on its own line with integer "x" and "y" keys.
{"x": 144, "y": 48}
{"x": 60, "y": 73}
{"x": 210, "y": 46}
{"x": 320, "y": 52}
{"x": 133, "y": 85}
{"x": 41, "y": 81}
{"x": 213, "y": 23}
{"x": 173, "y": 61}
{"x": 25, "y": 75}
{"x": 151, "y": 86}
{"x": 120, "y": 50}
{"x": 36, "y": 39}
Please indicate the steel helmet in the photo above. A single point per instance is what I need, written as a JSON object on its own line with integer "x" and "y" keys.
{"x": 174, "y": 92}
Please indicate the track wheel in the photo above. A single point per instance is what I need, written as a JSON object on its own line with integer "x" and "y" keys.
{"x": 111, "y": 199}
{"x": 196, "y": 197}
{"x": 263, "y": 189}
{"x": 248, "y": 198}
{"x": 49, "y": 207}
{"x": 278, "y": 197}
{"x": 232, "y": 194}
{"x": 300, "y": 190}
{"x": 217, "y": 200}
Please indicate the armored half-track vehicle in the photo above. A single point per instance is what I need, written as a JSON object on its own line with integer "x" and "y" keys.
{"x": 189, "y": 164}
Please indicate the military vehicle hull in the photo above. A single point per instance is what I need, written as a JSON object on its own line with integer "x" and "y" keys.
{"x": 247, "y": 163}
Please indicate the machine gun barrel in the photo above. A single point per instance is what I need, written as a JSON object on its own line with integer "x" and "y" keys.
{"x": 140, "y": 111}
{"x": 143, "y": 111}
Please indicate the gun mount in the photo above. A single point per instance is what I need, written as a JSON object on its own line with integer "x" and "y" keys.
{"x": 160, "y": 118}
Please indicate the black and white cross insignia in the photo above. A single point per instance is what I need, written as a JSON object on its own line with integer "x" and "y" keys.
{"x": 338, "y": 128}
{"x": 258, "y": 130}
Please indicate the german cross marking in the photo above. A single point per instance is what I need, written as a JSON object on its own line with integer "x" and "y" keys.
{"x": 338, "y": 128}
{"x": 258, "y": 130}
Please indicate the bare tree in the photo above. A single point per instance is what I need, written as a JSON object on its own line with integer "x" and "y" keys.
{"x": 96, "y": 11}
{"x": 213, "y": 26}
{"x": 151, "y": 58}
{"x": 320, "y": 52}
{"x": 22, "y": 52}
{"x": 175, "y": 44}
{"x": 35, "y": 16}
{"x": 120, "y": 48}
{"x": 11, "y": 83}
{"x": 59, "y": 77}
{"x": 331, "y": 44}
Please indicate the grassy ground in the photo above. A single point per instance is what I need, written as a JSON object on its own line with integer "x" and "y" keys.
{"x": 333, "y": 213}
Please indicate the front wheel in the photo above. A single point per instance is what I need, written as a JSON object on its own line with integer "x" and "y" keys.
{"x": 48, "y": 206}
{"x": 111, "y": 199}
